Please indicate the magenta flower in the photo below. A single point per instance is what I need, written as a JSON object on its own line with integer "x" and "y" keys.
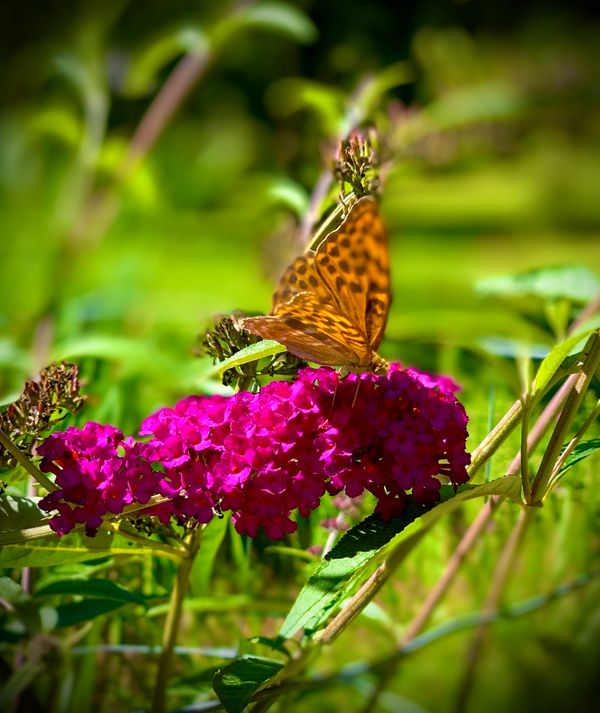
{"x": 264, "y": 456}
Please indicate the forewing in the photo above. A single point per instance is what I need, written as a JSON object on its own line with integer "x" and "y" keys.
{"x": 353, "y": 261}
{"x": 379, "y": 296}
{"x": 299, "y": 277}
{"x": 313, "y": 330}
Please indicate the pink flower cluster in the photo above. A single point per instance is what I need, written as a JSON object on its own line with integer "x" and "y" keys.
{"x": 263, "y": 456}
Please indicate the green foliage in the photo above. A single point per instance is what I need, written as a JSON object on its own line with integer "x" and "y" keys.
{"x": 339, "y": 570}
{"x": 237, "y": 681}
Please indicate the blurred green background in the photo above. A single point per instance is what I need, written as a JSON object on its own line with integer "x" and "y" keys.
{"x": 492, "y": 142}
{"x": 156, "y": 158}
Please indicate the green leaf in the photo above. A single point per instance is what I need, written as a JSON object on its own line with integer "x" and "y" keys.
{"x": 236, "y": 682}
{"x": 134, "y": 355}
{"x": 292, "y": 195}
{"x": 374, "y": 91}
{"x": 327, "y": 586}
{"x": 18, "y": 513}
{"x": 288, "y": 96}
{"x": 11, "y": 592}
{"x": 481, "y": 102}
{"x": 144, "y": 69}
{"x": 277, "y": 644}
{"x": 581, "y": 451}
{"x": 572, "y": 282}
{"x": 79, "y": 612}
{"x": 74, "y": 547}
{"x": 254, "y": 352}
{"x": 212, "y": 537}
{"x": 282, "y": 18}
{"x": 513, "y": 348}
{"x": 95, "y": 588}
{"x": 553, "y": 361}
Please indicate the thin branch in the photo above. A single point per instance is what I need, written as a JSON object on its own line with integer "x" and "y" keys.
{"x": 104, "y": 205}
{"x": 171, "y": 96}
{"x": 589, "y": 421}
{"x": 172, "y": 621}
{"x": 586, "y": 313}
{"x": 500, "y": 579}
{"x": 25, "y": 463}
{"x": 366, "y": 593}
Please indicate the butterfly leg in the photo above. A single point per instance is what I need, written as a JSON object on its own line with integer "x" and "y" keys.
{"x": 356, "y": 392}
{"x": 333, "y": 399}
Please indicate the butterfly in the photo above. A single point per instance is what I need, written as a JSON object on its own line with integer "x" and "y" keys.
{"x": 332, "y": 303}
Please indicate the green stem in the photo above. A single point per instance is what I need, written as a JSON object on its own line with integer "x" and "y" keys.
{"x": 590, "y": 365}
{"x": 591, "y": 419}
{"x": 524, "y": 444}
{"x": 496, "y": 437}
{"x": 165, "y": 663}
{"x": 173, "y": 553}
{"x": 24, "y": 461}
{"x": 501, "y": 575}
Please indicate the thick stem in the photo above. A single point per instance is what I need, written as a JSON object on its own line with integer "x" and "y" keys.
{"x": 589, "y": 367}
{"x": 165, "y": 663}
{"x": 524, "y": 444}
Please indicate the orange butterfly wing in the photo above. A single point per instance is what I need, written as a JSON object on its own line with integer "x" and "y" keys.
{"x": 314, "y": 330}
{"x": 354, "y": 262}
{"x": 331, "y": 304}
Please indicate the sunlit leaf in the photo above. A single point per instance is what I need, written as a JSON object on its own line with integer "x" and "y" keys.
{"x": 513, "y": 348}
{"x": 582, "y": 450}
{"x": 253, "y": 352}
{"x": 136, "y": 356}
{"x": 146, "y": 65}
{"x": 17, "y": 513}
{"x": 290, "y": 194}
{"x": 552, "y": 362}
{"x": 283, "y": 18}
{"x": 491, "y": 100}
{"x": 573, "y": 282}
{"x": 326, "y": 587}
{"x": 288, "y": 96}
{"x": 94, "y": 588}
{"x": 74, "y": 547}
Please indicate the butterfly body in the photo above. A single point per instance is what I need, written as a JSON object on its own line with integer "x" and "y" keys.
{"x": 331, "y": 304}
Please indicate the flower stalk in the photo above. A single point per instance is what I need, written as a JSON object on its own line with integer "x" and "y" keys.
{"x": 25, "y": 463}
{"x": 173, "y": 620}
